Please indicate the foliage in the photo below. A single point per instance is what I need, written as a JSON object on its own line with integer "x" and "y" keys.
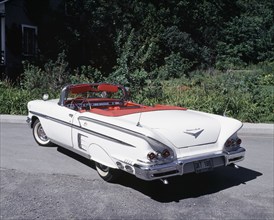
{"x": 247, "y": 38}
{"x": 51, "y": 77}
{"x": 175, "y": 67}
{"x": 85, "y": 74}
{"x": 245, "y": 94}
{"x": 119, "y": 36}
{"x": 13, "y": 99}
{"x": 54, "y": 75}
{"x": 193, "y": 53}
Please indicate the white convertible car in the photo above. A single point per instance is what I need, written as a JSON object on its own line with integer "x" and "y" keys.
{"x": 99, "y": 122}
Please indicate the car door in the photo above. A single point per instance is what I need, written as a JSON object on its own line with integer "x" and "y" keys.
{"x": 58, "y": 125}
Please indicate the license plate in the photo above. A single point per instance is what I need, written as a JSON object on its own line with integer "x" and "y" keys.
{"x": 203, "y": 165}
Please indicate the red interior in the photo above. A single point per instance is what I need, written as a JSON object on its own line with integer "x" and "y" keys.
{"x": 75, "y": 89}
{"x": 130, "y": 108}
{"x": 108, "y": 106}
{"x": 108, "y": 88}
{"x": 80, "y": 88}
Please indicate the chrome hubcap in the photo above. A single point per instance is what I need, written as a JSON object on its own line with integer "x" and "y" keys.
{"x": 41, "y": 134}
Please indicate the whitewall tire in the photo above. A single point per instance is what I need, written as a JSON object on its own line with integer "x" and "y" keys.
{"x": 106, "y": 173}
{"x": 39, "y": 134}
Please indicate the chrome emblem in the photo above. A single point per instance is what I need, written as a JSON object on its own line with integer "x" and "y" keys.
{"x": 194, "y": 132}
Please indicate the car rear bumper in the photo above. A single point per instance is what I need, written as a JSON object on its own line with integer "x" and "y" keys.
{"x": 189, "y": 165}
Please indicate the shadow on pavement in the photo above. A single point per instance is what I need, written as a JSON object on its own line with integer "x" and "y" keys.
{"x": 181, "y": 187}
{"x": 77, "y": 157}
{"x": 191, "y": 185}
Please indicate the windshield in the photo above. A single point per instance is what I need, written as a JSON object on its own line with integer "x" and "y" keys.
{"x": 95, "y": 91}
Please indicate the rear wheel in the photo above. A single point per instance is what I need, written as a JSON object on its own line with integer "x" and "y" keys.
{"x": 106, "y": 173}
{"x": 39, "y": 134}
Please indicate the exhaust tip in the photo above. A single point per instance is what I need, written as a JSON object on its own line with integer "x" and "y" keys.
{"x": 164, "y": 181}
{"x": 234, "y": 165}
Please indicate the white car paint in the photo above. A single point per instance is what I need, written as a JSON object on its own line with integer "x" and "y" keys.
{"x": 125, "y": 141}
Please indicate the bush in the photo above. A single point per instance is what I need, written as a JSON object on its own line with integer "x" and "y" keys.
{"x": 85, "y": 74}
{"x": 175, "y": 67}
{"x": 246, "y": 94}
{"x": 54, "y": 75}
{"x": 50, "y": 78}
{"x": 243, "y": 94}
{"x": 13, "y": 99}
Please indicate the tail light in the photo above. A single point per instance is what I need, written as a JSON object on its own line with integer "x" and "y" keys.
{"x": 232, "y": 142}
{"x": 228, "y": 143}
{"x": 159, "y": 155}
{"x": 151, "y": 156}
{"x": 160, "y": 152}
{"x": 165, "y": 153}
{"x": 239, "y": 141}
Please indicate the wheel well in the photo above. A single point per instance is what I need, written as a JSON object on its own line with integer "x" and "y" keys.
{"x": 33, "y": 119}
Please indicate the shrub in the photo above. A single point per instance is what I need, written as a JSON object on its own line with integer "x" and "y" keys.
{"x": 85, "y": 74}
{"x": 50, "y": 78}
{"x": 243, "y": 94}
{"x": 13, "y": 99}
{"x": 175, "y": 66}
{"x": 239, "y": 94}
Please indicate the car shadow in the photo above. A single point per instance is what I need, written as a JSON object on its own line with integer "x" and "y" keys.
{"x": 191, "y": 185}
{"x": 77, "y": 157}
{"x": 181, "y": 187}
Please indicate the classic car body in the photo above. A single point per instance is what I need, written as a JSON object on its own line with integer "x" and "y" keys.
{"x": 99, "y": 122}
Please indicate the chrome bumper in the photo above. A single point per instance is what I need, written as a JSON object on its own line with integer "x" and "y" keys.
{"x": 187, "y": 165}
{"x": 29, "y": 121}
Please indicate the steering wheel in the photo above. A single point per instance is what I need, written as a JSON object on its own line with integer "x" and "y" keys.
{"x": 85, "y": 100}
{"x": 76, "y": 102}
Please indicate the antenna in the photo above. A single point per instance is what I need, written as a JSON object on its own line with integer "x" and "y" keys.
{"x": 138, "y": 123}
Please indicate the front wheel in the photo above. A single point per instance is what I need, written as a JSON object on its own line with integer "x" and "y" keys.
{"x": 39, "y": 134}
{"x": 106, "y": 173}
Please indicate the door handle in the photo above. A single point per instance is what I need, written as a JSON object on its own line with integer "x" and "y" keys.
{"x": 71, "y": 115}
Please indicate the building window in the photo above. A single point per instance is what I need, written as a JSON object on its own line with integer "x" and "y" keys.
{"x": 29, "y": 40}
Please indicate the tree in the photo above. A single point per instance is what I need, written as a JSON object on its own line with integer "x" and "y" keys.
{"x": 249, "y": 37}
{"x": 125, "y": 37}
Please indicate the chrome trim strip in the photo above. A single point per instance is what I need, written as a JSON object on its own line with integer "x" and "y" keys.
{"x": 116, "y": 127}
{"x": 130, "y": 132}
{"x": 102, "y": 135}
{"x": 83, "y": 154}
{"x": 82, "y": 129}
{"x": 79, "y": 141}
{"x": 51, "y": 118}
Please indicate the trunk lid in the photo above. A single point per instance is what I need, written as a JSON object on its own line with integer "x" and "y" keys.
{"x": 182, "y": 128}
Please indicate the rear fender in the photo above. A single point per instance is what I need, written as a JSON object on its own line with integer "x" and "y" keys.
{"x": 99, "y": 154}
